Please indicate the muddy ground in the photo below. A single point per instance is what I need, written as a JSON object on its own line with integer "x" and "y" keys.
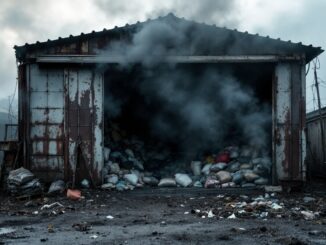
{"x": 163, "y": 216}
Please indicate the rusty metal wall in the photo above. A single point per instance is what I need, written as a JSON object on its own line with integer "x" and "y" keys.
{"x": 64, "y": 109}
{"x": 289, "y": 149}
{"x": 317, "y": 168}
{"x": 45, "y": 121}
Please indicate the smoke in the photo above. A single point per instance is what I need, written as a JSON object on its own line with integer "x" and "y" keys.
{"x": 198, "y": 106}
{"x": 219, "y": 12}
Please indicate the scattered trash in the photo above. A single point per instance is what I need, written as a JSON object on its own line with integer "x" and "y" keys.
{"x": 275, "y": 206}
{"x": 109, "y": 217}
{"x": 22, "y": 182}
{"x": 232, "y": 216}
{"x": 73, "y": 194}
{"x": 308, "y": 215}
{"x": 210, "y": 214}
{"x": 48, "y": 206}
{"x": 56, "y": 187}
{"x": 20, "y": 176}
{"x": 93, "y": 236}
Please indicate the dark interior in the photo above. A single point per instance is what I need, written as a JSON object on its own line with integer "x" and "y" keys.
{"x": 135, "y": 104}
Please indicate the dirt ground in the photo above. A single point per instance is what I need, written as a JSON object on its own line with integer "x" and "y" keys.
{"x": 163, "y": 216}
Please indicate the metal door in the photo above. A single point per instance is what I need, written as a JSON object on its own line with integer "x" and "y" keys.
{"x": 83, "y": 125}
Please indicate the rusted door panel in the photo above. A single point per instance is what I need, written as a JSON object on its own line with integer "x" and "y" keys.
{"x": 98, "y": 97}
{"x": 295, "y": 121}
{"x": 288, "y": 138}
{"x": 282, "y": 118}
{"x": 80, "y": 123}
{"x": 46, "y": 121}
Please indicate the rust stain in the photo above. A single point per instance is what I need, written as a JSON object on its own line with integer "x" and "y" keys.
{"x": 287, "y": 139}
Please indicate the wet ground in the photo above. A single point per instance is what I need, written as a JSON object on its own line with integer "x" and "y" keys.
{"x": 166, "y": 216}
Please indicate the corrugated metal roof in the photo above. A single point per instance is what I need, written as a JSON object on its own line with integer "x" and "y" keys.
{"x": 243, "y": 42}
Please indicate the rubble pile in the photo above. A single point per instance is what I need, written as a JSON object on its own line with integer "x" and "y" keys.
{"x": 22, "y": 182}
{"x": 131, "y": 163}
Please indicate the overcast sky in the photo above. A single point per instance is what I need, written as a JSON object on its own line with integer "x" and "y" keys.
{"x": 29, "y": 21}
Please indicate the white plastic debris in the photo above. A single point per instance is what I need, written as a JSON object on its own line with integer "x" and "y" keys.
{"x": 183, "y": 179}
{"x": 232, "y": 216}
{"x": 275, "y": 206}
{"x": 109, "y": 217}
{"x": 48, "y": 206}
{"x": 210, "y": 214}
{"x": 186, "y": 212}
{"x": 308, "y": 215}
{"x": 57, "y": 186}
{"x": 93, "y": 236}
{"x": 263, "y": 215}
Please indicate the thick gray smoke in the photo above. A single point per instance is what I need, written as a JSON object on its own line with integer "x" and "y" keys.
{"x": 197, "y": 105}
{"x": 220, "y": 12}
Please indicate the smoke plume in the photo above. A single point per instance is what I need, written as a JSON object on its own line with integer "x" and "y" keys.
{"x": 199, "y": 106}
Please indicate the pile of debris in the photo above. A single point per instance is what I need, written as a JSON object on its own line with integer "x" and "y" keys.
{"x": 22, "y": 182}
{"x": 131, "y": 163}
{"x": 269, "y": 205}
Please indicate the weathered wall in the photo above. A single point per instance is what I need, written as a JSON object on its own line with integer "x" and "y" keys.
{"x": 317, "y": 167}
{"x": 289, "y": 151}
{"x": 64, "y": 109}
